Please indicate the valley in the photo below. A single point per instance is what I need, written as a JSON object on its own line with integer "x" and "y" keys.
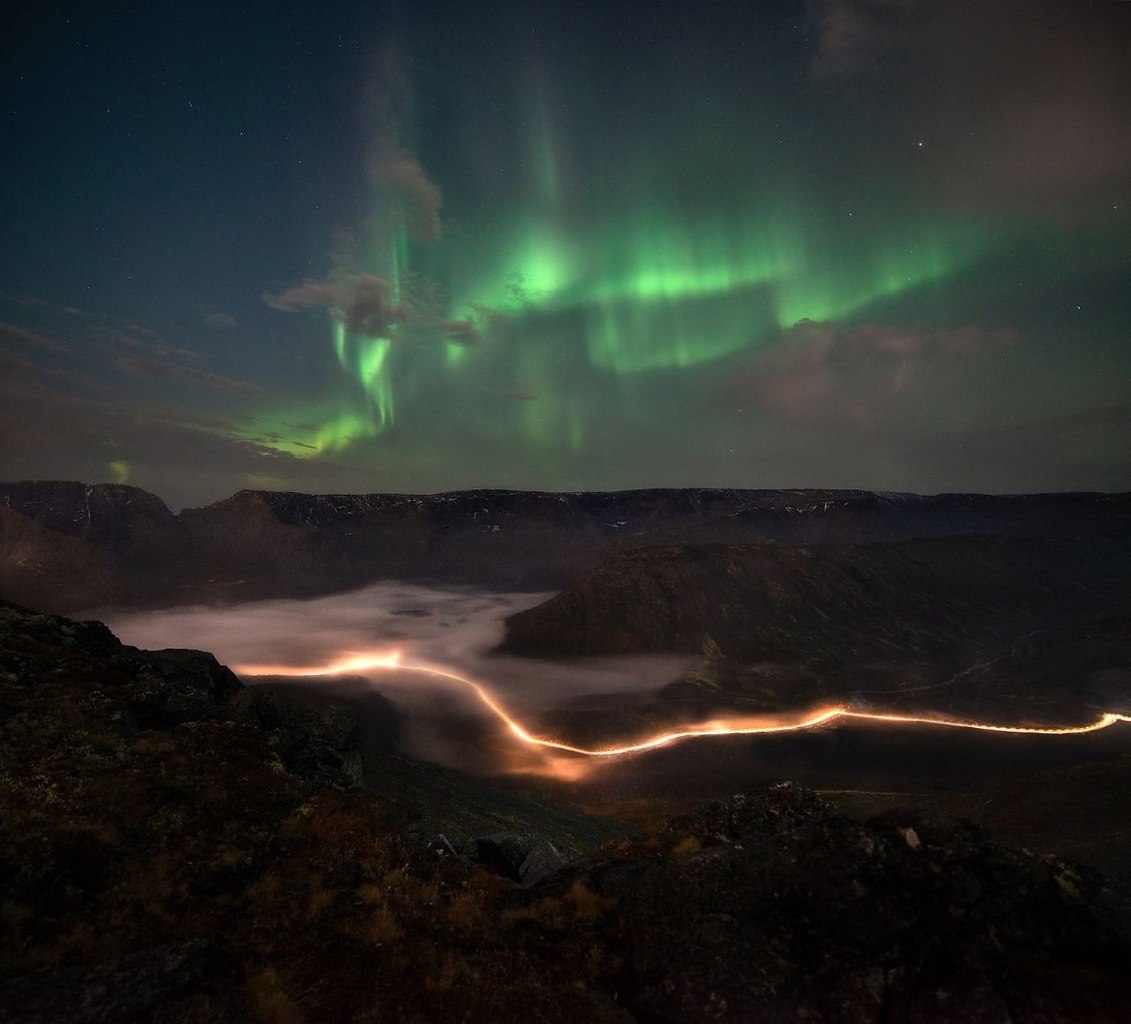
{"x": 539, "y": 692}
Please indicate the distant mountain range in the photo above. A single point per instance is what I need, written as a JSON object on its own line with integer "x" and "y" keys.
{"x": 65, "y": 546}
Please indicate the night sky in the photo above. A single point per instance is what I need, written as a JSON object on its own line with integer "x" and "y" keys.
{"x": 428, "y": 246}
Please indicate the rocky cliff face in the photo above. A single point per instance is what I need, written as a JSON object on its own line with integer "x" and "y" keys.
{"x": 111, "y": 517}
{"x": 261, "y": 544}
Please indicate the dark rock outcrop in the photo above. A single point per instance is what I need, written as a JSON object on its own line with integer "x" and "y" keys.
{"x": 171, "y": 687}
{"x": 541, "y": 862}
{"x": 165, "y": 689}
{"x": 521, "y": 857}
{"x": 317, "y": 741}
{"x": 768, "y": 906}
{"x": 144, "y": 689}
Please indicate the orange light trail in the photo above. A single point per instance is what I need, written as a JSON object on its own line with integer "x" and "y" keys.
{"x": 355, "y": 664}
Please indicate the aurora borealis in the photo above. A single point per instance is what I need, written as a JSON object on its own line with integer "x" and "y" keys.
{"x": 846, "y": 243}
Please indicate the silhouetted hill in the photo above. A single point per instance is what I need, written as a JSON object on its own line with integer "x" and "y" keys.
{"x": 832, "y": 603}
{"x": 263, "y": 544}
{"x": 43, "y": 568}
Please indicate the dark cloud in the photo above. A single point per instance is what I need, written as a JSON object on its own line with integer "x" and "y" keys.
{"x": 15, "y": 367}
{"x": 87, "y": 333}
{"x": 462, "y": 332}
{"x": 98, "y": 345}
{"x": 147, "y": 334}
{"x": 361, "y": 301}
{"x": 1045, "y": 103}
{"x": 854, "y": 377}
{"x": 38, "y": 363}
{"x": 1019, "y": 106}
{"x": 183, "y": 456}
{"x": 146, "y": 367}
{"x": 1087, "y": 447}
{"x": 364, "y": 304}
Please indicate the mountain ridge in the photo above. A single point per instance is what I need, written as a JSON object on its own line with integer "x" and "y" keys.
{"x": 257, "y": 544}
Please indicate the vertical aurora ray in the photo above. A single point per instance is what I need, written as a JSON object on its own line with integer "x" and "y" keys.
{"x": 542, "y": 142}
{"x": 373, "y": 372}
{"x": 367, "y": 359}
{"x": 339, "y": 328}
{"x": 398, "y": 262}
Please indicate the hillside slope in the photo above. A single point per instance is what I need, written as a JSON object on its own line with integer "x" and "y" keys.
{"x": 831, "y": 603}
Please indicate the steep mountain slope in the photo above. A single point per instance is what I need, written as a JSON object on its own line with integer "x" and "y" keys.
{"x": 41, "y": 568}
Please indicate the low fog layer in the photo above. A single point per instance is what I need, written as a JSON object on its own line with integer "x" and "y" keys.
{"x": 446, "y": 720}
{"x": 450, "y": 629}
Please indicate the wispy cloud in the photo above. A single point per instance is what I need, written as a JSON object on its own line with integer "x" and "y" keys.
{"x": 364, "y": 303}
{"x": 13, "y": 334}
{"x": 146, "y": 367}
{"x": 1018, "y": 105}
{"x": 361, "y": 301}
{"x": 221, "y": 320}
{"x": 171, "y": 449}
{"x": 854, "y": 376}
{"x": 394, "y": 169}
{"x": 140, "y": 339}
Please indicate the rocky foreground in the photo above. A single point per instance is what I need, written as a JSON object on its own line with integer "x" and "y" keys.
{"x": 179, "y": 848}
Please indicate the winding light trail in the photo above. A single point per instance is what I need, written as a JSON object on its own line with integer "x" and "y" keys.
{"x": 390, "y": 660}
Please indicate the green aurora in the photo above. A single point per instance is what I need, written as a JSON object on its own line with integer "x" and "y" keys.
{"x": 590, "y": 271}
{"x": 560, "y": 300}
{"x": 401, "y": 247}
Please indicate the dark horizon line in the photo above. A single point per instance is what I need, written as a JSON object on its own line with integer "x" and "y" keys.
{"x": 836, "y": 491}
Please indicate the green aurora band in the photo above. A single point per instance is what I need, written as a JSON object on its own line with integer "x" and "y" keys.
{"x": 653, "y": 296}
{"x": 580, "y": 283}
